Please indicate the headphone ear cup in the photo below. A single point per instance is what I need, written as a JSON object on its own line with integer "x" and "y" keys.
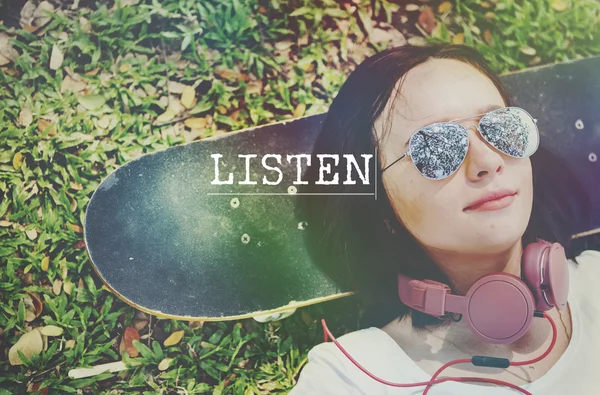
{"x": 500, "y": 308}
{"x": 545, "y": 270}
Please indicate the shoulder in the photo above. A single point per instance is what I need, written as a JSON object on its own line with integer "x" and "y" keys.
{"x": 587, "y": 267}
{"x": 329, "y": 371}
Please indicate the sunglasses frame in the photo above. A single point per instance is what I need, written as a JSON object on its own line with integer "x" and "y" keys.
{"x": 408, "y": 153}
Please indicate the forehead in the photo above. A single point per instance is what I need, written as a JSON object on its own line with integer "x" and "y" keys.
{"x": 436, "y": 91}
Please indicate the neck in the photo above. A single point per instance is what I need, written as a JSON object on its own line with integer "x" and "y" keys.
{"x": 464, "y": 269}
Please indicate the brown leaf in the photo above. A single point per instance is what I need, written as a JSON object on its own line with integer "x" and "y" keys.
{"x": 223, "y": 72}
{"x": 427, "y": 19}
{"x": 487, "y": 36}
{"x": 45, "y": 125}
{"x": 76, "y": 228}
{"x": 254, "y": 87}
{"x": 93, "y": 72}
{"x": 128, "y": 337}
{"x": 193, "y": 325}
{"x": 36, "y": 387}
{"x": 37, "y": 303}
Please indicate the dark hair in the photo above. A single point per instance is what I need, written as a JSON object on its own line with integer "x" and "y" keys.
{"x": 347, "y": 235}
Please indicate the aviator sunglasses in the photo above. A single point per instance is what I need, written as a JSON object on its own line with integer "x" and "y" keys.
{"x": 438, "y": 150}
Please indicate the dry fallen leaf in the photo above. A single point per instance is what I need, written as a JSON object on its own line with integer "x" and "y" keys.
{"x": 299, "y": 110}
{"x": 128, "y": 337}
{"x": 40, "y": 15}
{"x": 164, "y": 364}
{"x": 487, "y": 36}
{"x": 57, "y": 286}
{"x": 91, "y": 102}
{"x": 195, "y": 123}
{"x": 68, "y": 287}
{"x": 193, "y": 325}
{"x": 254, "y": 87}
{"x": 175, "y": 87}
{"x": 174, "y": 338}
{"x": 44, "y": 125}
{"x": 31, "y": 234}
{"x": 139, "y": 324}
{"x": 427, "y": 19}
{"x": 45, "y": 263}
{"x": 17, "y": 161}
{"x": 444, "y": 6}
{"x": 459, "y": 38}
{"x": 25, "y": 117}
{"x": 283, "y": 45}
{"x": 7, "y": 52}
{"x": 224, "y": 72}
{"x": 76, "y": 228}
{"x": 188, "y": 96}
{"x": 56, "y": 58}
{"x": 52, "y": 330}
{"x": 27, "y": 13}
{"x": 528, "y": 51}
{"x": 166, "y": 116}
{"x": 37, "y": 304}
{"x": 93, "y": 72}
{"x": 85, "y": 25}
{"x": 559, "y": 5}
{"x": 69, "y": 83}
{"x": 29, "y": 344}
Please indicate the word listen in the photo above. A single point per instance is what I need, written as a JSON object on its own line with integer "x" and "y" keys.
{"x": 323, "y": 169}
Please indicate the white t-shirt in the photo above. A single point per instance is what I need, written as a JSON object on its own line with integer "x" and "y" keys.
{"x": 577, "y": 371}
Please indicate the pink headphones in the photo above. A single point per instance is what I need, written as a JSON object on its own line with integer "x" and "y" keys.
{"x": 498, "y": 307}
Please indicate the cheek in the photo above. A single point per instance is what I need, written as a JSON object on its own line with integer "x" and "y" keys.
{"x": 409, "y": 205}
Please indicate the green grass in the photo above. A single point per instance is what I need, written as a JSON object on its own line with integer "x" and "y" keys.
{"x": 50, "y": 167}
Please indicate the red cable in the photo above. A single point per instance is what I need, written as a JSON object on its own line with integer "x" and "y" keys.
{"x": 433, "y": 380}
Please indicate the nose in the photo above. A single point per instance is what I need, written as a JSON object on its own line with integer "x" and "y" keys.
{"x": 482, "y": 159}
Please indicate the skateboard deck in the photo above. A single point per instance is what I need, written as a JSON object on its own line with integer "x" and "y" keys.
{"x": 169, "y": 242}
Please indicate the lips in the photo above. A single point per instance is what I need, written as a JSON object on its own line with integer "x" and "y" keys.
{"x": 494, "y": 195}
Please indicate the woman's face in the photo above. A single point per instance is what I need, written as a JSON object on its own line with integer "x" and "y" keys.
{"x": 433, "y": 211}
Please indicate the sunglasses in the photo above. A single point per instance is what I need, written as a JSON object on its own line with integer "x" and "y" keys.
{"x": 438, "y": 150}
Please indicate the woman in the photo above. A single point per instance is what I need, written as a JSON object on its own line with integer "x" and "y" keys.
{"x": 423, "y": 224}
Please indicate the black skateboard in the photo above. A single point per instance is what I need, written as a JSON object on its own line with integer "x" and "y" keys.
{"x": 167, "y": 240}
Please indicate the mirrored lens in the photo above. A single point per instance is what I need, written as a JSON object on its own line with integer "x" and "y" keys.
{"x": 511, "y": 130}
{"x": 437, "y": 150}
